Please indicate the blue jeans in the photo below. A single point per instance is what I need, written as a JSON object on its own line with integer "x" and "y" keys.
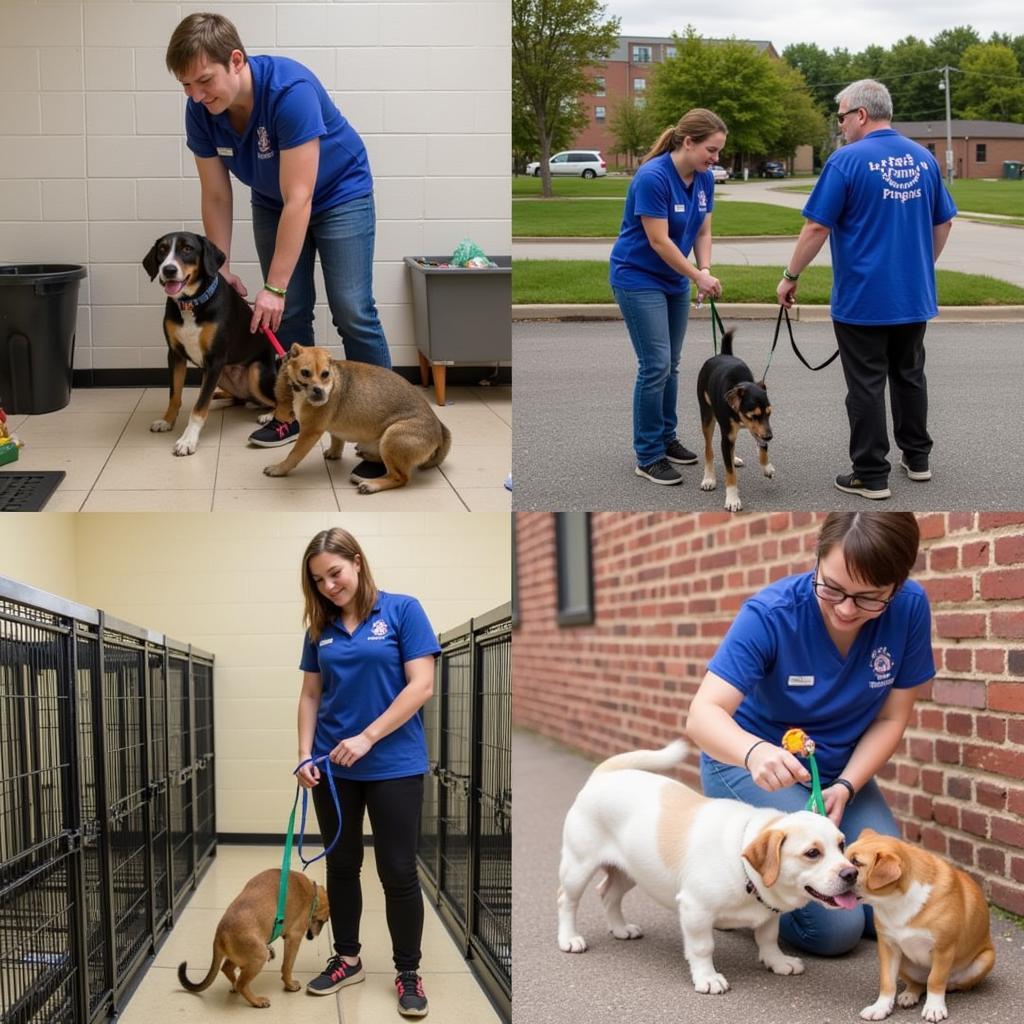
{"x": 343, "y": 236}
{"x": 814, "y": 928}
{"x": 656, "y": 323}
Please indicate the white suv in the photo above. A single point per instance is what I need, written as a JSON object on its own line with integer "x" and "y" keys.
{"x": 584, "y": 163}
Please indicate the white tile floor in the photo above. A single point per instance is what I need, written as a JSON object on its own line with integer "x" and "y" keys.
{"x": 452, "y": 990}
{"x": 114, "y": 464}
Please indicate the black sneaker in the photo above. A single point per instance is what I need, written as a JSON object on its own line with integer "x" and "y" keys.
{"x": 368, "y": 471}
{"x": 921, "y": 473}
{"x": 337, "y": 974}
{"x": 412, "y": 1001}
{"x": 675, "y": 452}
{"x": 275, "y": 434}
{"x": 660, "y": 472}
{"x": 852, "y": 484}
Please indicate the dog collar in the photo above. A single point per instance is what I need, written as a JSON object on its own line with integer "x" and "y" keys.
{"x": 187, "y": 305}
{"x": 752, "y": 889}
{"x": 312, "y": 907}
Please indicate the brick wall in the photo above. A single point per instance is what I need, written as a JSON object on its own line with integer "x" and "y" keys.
{"x": 665, "y": 590}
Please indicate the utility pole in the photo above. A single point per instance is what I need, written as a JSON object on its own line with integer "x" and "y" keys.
{"x": 944, "y": 85}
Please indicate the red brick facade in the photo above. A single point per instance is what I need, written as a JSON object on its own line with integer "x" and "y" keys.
{"x": 666, "y": 587}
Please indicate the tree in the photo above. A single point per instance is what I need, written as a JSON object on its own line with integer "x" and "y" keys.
{"x": 525, "y": 144}
{"x": 948, "y": 46}
{"x": 991, "y": 87}
{"x": 554, "y": 42}
{"x": 909, "y": 71}
{"x": 630, "y": 125}
{"x": 804, "y": 122}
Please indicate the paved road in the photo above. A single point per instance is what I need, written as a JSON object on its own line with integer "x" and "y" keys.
{"x": 647, "y": 980}
{"x": 572, "y": 440}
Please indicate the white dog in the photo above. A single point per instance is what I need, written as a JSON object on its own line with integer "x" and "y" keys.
{"x": 721, "y": 863}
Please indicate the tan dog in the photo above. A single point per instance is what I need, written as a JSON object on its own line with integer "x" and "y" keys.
{"x": 932, "y": 923}
{"x": 382, "y": 412}
{"x": 243, "y": 933}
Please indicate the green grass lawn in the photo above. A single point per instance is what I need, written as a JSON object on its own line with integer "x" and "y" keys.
{"x": 571, "y": 187}
{"x": 586, "y": 281}
{"x": 543, "y": 218}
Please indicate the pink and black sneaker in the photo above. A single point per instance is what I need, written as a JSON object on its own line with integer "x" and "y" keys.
{"x": 412, "y": 1000}
{"x": 337, "y": 974}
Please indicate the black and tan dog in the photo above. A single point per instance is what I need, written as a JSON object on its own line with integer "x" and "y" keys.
{"x": 206, "y": 322}
{"x": 383, "y": 413}
{"x": 727, "y": 394}
{"x": 240, "y": 942}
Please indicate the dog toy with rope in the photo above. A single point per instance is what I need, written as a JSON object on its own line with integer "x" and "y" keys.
{"x": 797, "y": 742}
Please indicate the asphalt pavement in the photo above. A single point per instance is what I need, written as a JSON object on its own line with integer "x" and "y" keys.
{"x": 572, "y": 445}
{"x": 647, "y": 980}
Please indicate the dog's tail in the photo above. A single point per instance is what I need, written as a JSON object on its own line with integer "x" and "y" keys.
{"x": 727, "y": 342}
{"x": 218, "y": 959}
{"x": 647, "y": 760}
{"x": 441, "y": 451}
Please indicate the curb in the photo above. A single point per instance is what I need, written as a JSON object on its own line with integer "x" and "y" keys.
{"x": 754, "y": 311}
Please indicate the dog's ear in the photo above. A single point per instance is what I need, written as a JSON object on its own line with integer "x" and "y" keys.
{"x": 734, "y": 396}
{"x": 885, "y": 870}
{"x": 761, "y": 384}
{"x": 295, "y": 350}
{"x": 149, "y": 262}
{"x": 213, "y": 258}
{"x": 764, "y": 854}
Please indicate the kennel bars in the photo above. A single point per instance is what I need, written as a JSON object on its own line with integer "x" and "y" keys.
{"x": 107, "y": 813}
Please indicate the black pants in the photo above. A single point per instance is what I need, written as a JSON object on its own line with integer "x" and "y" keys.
{"x": 394, "y": 808}
{"x": 870, "y": 356}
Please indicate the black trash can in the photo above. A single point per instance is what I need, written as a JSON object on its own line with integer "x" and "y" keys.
{"x": 38, "y": 313}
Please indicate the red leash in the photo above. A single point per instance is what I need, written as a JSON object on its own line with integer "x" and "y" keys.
{"x": 272, "y": 338}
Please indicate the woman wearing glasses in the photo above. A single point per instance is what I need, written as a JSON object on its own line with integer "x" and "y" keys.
{"x": 838, "y": 652}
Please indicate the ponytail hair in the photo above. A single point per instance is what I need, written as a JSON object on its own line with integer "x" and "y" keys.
{"x": 696, "y": 124}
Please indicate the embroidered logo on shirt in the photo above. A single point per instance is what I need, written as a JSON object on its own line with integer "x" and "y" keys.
{"x": 379, "y": 630}
{"x": 881, "y": 665}
{"x": 801, "y": 680}
{"x": 899, "y": 176}
{"x": 263, "y": 144}
{"x": 702, "y": 201}
{"x": 327, "y": 640}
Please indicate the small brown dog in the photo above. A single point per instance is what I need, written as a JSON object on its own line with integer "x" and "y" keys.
{"x": 932, "y": 923}
{"x": 243, "y": 933}
{"x": 375, "y": 407}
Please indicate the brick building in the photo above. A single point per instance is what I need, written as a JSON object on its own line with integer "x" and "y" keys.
{"x": 979, "y": 147}
{"x": 610, "y": 648}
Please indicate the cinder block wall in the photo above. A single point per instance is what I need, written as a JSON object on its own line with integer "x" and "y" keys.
{"x": 95, "y": 164}
{"x": 666, "y": 588}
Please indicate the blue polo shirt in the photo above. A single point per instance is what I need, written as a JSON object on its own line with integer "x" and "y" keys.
{"x": 290, "y": 107}
{"x": 361, "y": 674}
{"x": 779, "y": 655}
{"x": 881, "y": 197}
{"x": 657, "y": 191}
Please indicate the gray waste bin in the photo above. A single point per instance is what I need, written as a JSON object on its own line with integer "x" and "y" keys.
{"x": 1012, "y": 169}
{"x": 38, "y": 314}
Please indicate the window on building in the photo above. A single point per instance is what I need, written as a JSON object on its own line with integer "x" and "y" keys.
{"x": 931, "y": 148}
{"x": 598, "y": 86}
{"x": 670, "y": 51}
{"x": 639, "y": 84}
{"x": 980, "y": 152}
{"x": 599, "y": 113}
{"x": 575, "y": 575}
{"x": 641, "y": 55}
{"x": 639, "y": 102}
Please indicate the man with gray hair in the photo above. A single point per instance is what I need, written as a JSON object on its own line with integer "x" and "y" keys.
{"x": 881, "y": 203}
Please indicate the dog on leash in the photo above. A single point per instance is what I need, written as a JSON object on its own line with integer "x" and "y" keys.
{"x": 206, "y": 322}
{"x": 932, "y": 923}
{"x": 240, "y": 942}
{"x": 382, "y": 412}
{"x": 717, "y": 863}
{"x": 727, "y": 395}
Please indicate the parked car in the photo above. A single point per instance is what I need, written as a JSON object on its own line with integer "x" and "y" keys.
{"x": 721, "y": 173}
{"x": 583, "y": 163}
{"x": 771, "y": 169}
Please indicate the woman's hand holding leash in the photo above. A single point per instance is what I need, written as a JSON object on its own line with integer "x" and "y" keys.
{"x": 707, "y": 285}
{"x": 348, "y": 751}
{"x": 836, "y": 798}
{"x": 773, "y": 768}
{"x": 267, "y": 311}
{"x": 786, "y": 293}
{"x": 308, "y": 775}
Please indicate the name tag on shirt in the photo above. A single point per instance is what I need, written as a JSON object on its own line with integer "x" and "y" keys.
{"x": 225, "y": 151}
{"x": 680, "y": 208}
{"x": 801, "y": 680}
{"x": 327, "y": 640}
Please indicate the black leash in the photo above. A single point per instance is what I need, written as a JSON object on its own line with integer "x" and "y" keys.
{"x": 783, "y": 312}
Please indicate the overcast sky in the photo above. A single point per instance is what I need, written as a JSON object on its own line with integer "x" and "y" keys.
{"x": 853, "y": 25}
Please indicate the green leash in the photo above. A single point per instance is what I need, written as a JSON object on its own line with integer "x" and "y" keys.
{"x": 286, "y": 864}
{"x": 796, "y": 741}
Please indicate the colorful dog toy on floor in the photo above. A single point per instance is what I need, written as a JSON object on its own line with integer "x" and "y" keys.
{"x": 796, "y": 741}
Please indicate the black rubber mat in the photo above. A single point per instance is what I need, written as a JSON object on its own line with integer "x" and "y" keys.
{"x": 28, "y": 492}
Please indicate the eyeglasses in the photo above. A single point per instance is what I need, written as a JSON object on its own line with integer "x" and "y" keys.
{"x": 833, "y": 595}
{"x": 841, "y": 116}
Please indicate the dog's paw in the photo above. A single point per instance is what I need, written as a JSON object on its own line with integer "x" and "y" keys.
{"x": 572, "y": 944}
{"x": 278, "y": 469}
{"x": 366, "y": 487}
{"x": 185, "y": 446}
{"x": 270, "y": 953}
{"x": 879, "y": 1009}
{"x": 627, "y": 931}
{"x": 292, "y": 986}
{"x": 907, "y": 998}
{"x": 737, "y": 460}
{"x": 262, "y": 1002}
{"x": 708, "y": 483}
{"x": 711, "y": 984}
{"x": 160, "y": 426}
{"x": 264, "y": 418}
{"x": 333, "y": 455}
{"x": 934, "y": 1009}
{"x": 782, "y": 964}
{"x": 768, "y": 469}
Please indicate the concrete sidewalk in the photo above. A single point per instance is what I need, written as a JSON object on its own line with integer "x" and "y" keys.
{"x": 648, "y": 980}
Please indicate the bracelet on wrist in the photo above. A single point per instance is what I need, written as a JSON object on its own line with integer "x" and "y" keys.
{"x": 848, "y": 786}
{"x": 282, "y": 292}
{"x": 790, "y": 277}
{"x": 746, "y": 760}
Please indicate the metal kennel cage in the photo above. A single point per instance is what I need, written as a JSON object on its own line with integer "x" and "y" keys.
{"x": 466, "y": 830}
{"x": 91, "y": 867}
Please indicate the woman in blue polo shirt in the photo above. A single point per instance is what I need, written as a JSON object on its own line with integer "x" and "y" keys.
{"x": 667, "y": 214}
{"x": 838, "y": 652}
{"x": 269, "y": 121}
{"x": 368, "y": 669}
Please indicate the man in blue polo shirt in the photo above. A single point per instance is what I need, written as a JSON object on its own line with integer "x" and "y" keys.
{"x": 881, "y": 203}
{"x": 269, "y": 121}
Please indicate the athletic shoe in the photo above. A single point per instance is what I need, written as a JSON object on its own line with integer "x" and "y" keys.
{"x": 675, "y": 452}
{"x": 660, "y": 472}
{"x": 275, "y": 434}
{"x": 915, "y": 474}
{"x": 412, "y": 1001}
{"x": 852, "y": 484}
{"x": 337, "y": 974}
{"x": 368, "y": 471}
